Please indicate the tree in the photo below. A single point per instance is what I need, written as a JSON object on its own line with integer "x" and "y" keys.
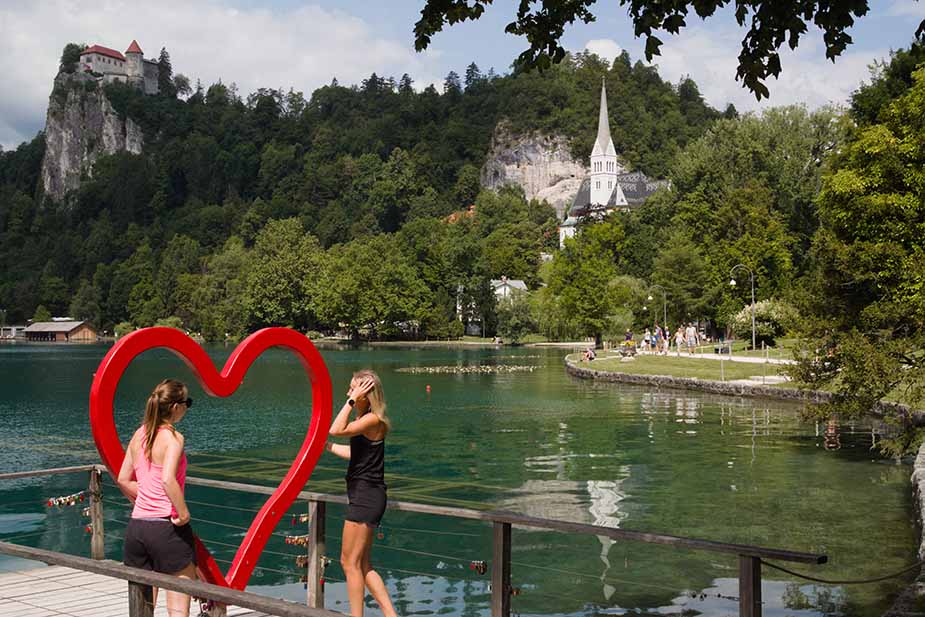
{"x": 70, "y": 57}
{"x": 473, "y": 75}
{"x": 451, "y": 84}
{"x": 41, "y": 314}
{"x": 165, "y": 83}
{"x": 682, "y": 270}
{"x": 771, "y": 23}
{"x": 864, "y": 304}
{"x": 86, "y": 304}
{"x": 280, "y": 284}
{"x": 515, "y": 319}
{"x": 181, "y": 85}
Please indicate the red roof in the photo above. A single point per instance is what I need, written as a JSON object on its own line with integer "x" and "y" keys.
{"x": 133, "y": 48}
{"x": 103, "y": 51}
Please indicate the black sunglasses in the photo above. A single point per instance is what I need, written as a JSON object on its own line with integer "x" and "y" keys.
{"x": 188, "y": 402}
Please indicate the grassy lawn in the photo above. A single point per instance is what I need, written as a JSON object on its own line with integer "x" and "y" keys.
{"x": 740, "y": 347}
{"x": 680, "y": 367}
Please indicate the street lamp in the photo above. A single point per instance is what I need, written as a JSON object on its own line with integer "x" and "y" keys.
{"x": 732, "y": 282}
{"x": 664, "y": 303}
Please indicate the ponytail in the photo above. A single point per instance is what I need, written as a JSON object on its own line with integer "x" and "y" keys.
{"x": 157, "y": 409}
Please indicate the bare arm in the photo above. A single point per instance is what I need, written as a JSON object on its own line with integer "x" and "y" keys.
{"x": 169, "y": 478}
{"x": 358, "y": 426}
{"x": 338, "y": 450}
{"x": 342, "y": 427}
{"x": 126, "y": 480}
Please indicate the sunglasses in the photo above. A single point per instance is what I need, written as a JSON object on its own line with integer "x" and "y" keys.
{"x": 188, "y": 402}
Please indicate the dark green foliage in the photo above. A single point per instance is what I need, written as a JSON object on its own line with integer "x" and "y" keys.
{"x": 889, "y": 80}
{"x": 70, "y": 57}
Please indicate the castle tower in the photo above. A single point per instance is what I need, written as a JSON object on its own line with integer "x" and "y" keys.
{"x": 134, "y": 61}
{"x": 604, "y": 166}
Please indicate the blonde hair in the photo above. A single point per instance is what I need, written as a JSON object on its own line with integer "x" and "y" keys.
{"x": 375, "y": 396}
{"x": 157, "y": 410}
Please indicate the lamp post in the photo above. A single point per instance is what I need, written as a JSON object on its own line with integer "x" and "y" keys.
{"x": 732, "y": 282}
{"x": 664, "y": 303}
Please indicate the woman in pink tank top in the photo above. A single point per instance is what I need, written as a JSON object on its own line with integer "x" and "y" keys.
{"x": 158, "y": 536}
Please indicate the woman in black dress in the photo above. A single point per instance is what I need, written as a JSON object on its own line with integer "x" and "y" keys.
{"x": 365, "y": 486}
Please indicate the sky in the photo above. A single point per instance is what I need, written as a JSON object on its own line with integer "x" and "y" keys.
{"x": 304, "y": 44}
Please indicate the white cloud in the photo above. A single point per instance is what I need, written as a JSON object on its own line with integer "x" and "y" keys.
{"x": 301, "y": 48}
{"x": 605, "y": 48}
{"x": 906, "y": 8}
{"x": 710, "y": 57}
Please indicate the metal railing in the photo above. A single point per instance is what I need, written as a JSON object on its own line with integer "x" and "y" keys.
{"x": 749, "y": 556}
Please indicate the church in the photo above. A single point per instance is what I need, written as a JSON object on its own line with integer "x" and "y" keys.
{"x": 609, "y": 186}
{"x": 131, "y": 67}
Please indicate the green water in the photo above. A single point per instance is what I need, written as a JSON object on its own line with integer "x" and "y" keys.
{"x": 540, "y": 443}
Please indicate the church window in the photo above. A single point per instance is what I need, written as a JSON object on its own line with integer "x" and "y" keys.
{"x": 610, "y": 185}
{"x": 598, "y": 185}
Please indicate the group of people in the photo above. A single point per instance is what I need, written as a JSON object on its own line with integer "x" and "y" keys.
{"x": 658, "y": 340}
{"x": 159, "y": 537}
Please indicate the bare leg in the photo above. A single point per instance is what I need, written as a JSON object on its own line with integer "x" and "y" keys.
{"x": 375, "y": 584}
{"x": 354, "y": 542}
{"x": 178, "y": 603}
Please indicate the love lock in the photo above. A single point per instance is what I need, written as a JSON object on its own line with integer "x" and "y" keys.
{"x": 479, "y": 566}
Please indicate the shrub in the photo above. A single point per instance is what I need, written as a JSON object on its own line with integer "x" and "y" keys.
{"x": 123, "y": 328}
{"x": 773, "y": 318}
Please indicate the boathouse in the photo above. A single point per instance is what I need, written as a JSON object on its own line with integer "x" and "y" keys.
{"x": 61, "y": 331}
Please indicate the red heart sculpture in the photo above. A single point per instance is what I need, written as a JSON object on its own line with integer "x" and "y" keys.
{"x": 222, "y": 384}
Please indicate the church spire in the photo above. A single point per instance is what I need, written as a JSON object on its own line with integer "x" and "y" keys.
{"x": 603, "y": 145}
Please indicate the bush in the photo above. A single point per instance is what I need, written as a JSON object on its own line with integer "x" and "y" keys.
{"x": 773, "y": 318}
{"x": 314, "y": 335}
{"x": 170, "y": 322}
{"x": 123, "y": 328}
{"x": 456, "y": 329}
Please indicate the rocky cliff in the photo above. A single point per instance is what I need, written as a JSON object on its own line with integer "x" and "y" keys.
{"x": 81, "y": 125}
{"x": 541, "y": 164}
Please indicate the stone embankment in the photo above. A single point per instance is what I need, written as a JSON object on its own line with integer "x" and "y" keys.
{"x": 692, "y": 383}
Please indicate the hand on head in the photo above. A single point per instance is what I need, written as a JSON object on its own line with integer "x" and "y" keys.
{"x": 360, "y": 388}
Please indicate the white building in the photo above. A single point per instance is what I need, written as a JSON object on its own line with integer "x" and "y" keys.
{"x": 608, "y": 187}
{"x": 131, "y": 67}
{"x": 505, "y": 287}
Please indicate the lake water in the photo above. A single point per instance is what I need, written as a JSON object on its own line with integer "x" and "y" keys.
{"x": 540, "y": 443}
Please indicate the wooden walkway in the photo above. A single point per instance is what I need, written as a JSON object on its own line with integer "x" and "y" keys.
{"x": 56, "y": 591}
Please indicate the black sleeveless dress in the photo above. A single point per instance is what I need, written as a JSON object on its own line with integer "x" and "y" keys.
{"x": 366, "y": 490}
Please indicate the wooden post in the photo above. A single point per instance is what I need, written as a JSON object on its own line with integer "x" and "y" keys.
{"x": 140, "y": 600}
{"x": 316, "y": 548}
{"x": 749, "y": 586}
{"x": 97, "y": 549}
{"x": 501, "y": 571}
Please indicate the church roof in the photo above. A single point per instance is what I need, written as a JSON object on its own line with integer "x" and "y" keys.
{"x": 604, "y": 142}
{"x": 103, "y": 51}
{"x": 133, "y": 48}
{"x": 635, "y": 188}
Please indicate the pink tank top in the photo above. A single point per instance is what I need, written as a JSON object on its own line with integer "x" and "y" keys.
{"x": 152, "y": 500}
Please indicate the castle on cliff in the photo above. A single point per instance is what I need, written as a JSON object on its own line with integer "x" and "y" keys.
{"x": 131, "y": 67}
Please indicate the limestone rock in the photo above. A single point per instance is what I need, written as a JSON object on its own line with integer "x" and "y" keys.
{"x": 81, "y": 126}
{"x": 540, "y": 164}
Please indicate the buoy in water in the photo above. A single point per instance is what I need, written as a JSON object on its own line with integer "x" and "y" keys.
{"x": 428, "y": 388}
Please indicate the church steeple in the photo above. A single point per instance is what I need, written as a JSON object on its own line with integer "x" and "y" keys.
{"x": 604, "y": 164}
{"x": 603, "y": 145}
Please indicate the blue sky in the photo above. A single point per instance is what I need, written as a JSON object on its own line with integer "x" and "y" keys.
{"x": 289, "y": 43}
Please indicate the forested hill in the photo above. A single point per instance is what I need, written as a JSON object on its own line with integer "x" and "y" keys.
{"x": 347, "y": 162}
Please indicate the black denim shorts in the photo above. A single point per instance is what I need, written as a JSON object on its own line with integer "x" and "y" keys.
{"x": 158, "y": 545}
